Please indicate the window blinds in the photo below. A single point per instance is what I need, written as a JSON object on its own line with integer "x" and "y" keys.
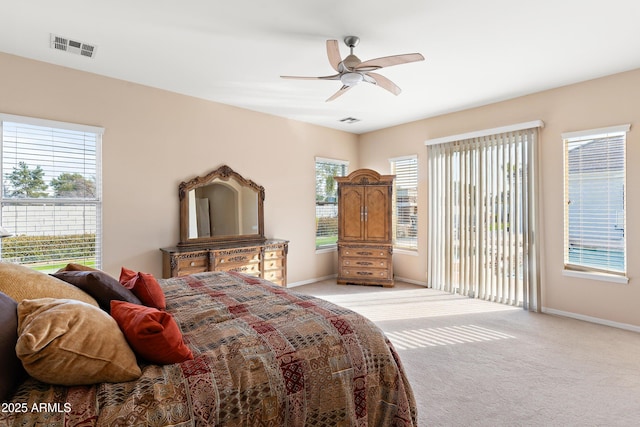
{"x": 595, "y": 200}
{"x": 327, "y": 201}
{"x": 405, "y": 202}
{"x": 482, "y": 208}
{"x": 51, "y": 193}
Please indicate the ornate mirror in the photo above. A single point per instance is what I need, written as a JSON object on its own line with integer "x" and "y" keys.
{"x": 219, "y": 207}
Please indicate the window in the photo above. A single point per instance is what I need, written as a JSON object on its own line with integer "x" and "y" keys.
{"x": 327, "y": 201}
{"x": 405, "y": 202}
{"x": 594, "y": 191}
{"x": 51, "y": 193}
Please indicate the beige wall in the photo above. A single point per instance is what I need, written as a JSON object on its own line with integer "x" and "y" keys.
{"x": 155, "y": 139}
{"x": 598, "y": 103}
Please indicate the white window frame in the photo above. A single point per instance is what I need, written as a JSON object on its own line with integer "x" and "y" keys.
{"x": 400, "y": 239}
{"x": 54, "y": 204}
{"x": 333, "y": 206}
{"x": 585, "y": 269}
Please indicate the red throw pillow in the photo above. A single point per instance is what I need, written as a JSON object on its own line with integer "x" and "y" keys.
{"x": 145, "y": 287}
{"x": 153, "y": 334}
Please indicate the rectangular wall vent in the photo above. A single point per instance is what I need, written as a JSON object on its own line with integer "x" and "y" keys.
{"x": 72, "y": 46}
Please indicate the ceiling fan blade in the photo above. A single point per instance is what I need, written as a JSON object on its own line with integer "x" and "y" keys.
{"x": 333, "y": 52}
{"x": 388, "y": 61}
{"x": 333, "y": 77}
{"x": 384, "y": 83}
{"x": 340, "y": 91}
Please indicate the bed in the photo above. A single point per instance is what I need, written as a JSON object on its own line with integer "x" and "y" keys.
{"x": 261, "y": 356}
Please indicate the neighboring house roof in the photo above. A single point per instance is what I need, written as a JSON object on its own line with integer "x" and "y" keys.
{"x": 588, "y": 157}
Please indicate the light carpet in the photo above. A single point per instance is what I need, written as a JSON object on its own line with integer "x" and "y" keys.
{"x": 477, "y": 363}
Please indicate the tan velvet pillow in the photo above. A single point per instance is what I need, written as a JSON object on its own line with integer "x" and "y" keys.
{"x": 20, "y": 282}
{"x": 67, "y": 342}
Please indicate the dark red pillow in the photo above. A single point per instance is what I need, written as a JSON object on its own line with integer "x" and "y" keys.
{"x": 152, "y": 334}
{"x": 145, "y": 287}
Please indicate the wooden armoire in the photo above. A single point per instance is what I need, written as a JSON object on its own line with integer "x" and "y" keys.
{"x": 365, "y": 244}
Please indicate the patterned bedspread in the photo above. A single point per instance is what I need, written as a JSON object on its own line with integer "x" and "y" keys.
{"x": 263, "y": 356}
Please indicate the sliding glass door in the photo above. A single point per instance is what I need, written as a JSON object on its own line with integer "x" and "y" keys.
{"x": 482, "y": 217}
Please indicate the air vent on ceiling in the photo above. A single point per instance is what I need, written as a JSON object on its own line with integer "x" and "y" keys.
{"x": 72, "y": 46}
{"x": 349, "y": 120}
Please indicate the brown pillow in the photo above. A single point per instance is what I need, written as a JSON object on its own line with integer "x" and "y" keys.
{"x": 69, "y": 342}
{"x": 99, "y": 285}
{"x": 77, "y": 267}
{"x": 11, "y": 371}
{"x": 20, "y": 282}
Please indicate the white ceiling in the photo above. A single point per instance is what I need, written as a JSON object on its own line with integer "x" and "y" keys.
{"x": 233, "y": 52}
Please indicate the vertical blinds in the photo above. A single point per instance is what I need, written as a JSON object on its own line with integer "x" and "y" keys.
{"x": 51, "y": 193}
{"x": 327, "y": 201}
{"x": 595, "y": 200}
{"x": 405, "y": 202}
{"x": 482, "y": 217}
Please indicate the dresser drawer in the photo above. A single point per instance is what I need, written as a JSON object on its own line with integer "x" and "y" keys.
{"x": 275, "y": 276}
{"x": 199, "y": 261}
{"x": 274, "y": 253}
{"x": 273, "y": 264}
{"x": 250, "y": 269}
{"x": 223, "y": 258}
{"x": 191, "y": 263}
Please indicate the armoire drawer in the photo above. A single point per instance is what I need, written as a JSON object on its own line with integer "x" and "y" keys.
{"x": 365, "y": 262}
{"x": 365, "y": 273}
{"x": 364, "y": 252}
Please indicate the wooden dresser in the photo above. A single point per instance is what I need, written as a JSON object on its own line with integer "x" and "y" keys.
{"x": 365, "y": 246}
{"x": 267, "y": 259}
{"x": 222, "y": 229}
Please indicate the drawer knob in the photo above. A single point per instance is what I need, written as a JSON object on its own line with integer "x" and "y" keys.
{"x": 193, "y": 263}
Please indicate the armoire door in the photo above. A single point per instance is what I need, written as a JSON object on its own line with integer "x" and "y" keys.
{"x": 351, "y": 204}
{"x": 376, "y": 213}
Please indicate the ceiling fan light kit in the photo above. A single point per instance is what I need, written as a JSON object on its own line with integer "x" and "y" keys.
{"x": 351, "y": 70}
{"x": 351, "y": 79}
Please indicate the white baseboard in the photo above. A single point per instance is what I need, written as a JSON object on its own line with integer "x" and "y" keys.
{"x": 597, "y": 320}
{"x": 333, "y": 276}
{"x": 306, "y": 282}
{"x": 413, "y": 282}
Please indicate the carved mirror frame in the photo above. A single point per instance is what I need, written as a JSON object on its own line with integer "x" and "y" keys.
{"x": 224, "y": 173}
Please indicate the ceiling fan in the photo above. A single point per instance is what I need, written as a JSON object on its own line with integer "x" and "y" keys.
{"x": 351, "y": 70}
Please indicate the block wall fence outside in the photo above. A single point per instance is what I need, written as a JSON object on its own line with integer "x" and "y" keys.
{"x": 40, "y": 220}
